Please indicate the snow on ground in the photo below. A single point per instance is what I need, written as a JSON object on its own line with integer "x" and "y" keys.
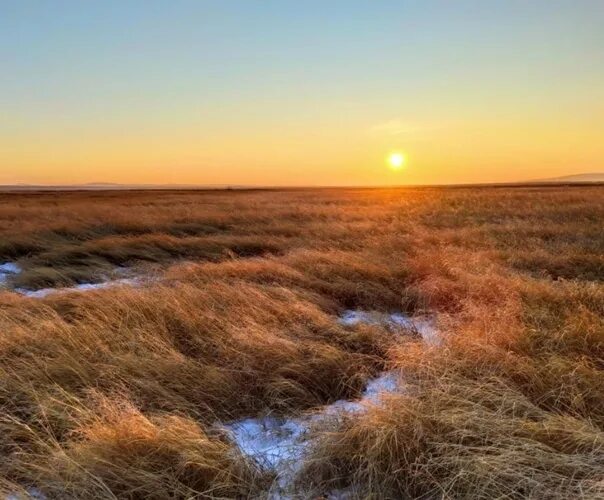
{"x": 33, "y": 493}
{"x": 279, "y": 444}
{"x": 10, "y": 268}
{"x": 82, "y": 287}
{"x": 270, "y": 441}
{"x": 420, "y": 325}
{"x": 386, "y": 383}
{"x": 274, "y": 441}
{"x": 6, "y": 270}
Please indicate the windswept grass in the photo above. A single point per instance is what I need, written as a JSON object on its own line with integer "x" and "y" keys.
{"x": 117, "y": 393}
{"x": 114, "y": 450}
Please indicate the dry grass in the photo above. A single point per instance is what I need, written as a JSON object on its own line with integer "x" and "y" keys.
{"x": 115, "y": 393}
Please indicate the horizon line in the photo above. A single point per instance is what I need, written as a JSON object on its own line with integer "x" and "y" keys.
{"x": 4, "y": 188}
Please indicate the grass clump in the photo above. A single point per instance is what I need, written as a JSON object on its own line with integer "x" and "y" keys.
{"x": 461, "y": 439}
{"x": 116, "y": 451}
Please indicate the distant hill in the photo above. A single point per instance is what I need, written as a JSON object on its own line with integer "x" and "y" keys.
{"x": 109, "y": 186}
{"x": 595, "y": 177}
{"x": 592, "y": 177}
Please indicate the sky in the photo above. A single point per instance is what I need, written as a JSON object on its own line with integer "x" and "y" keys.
{"x": 290, "y": 92}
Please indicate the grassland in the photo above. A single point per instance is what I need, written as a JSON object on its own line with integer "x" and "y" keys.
{"x": 115, "y": 393}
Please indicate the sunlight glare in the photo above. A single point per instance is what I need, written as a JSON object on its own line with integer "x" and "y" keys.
{"x": 396, "y": 161}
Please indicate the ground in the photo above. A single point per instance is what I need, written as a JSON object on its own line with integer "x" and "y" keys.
{"x": 239, "y": 310}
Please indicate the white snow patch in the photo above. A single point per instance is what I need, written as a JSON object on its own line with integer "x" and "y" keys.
{"x": 279, "y": 444}
{"x": 397, "y": 322}
{"x": 10, "y": 268}
{"x": 351, "y": 318}
{"x": 6, "y": 270}
{"x": 34, "y": 493}
{"x": 82, "y": 287}
{"x": 422, "y": 325}
{"x": 275, "y": 444}
{"x": 270, "y": 441}
{"x": 387, "y": 383}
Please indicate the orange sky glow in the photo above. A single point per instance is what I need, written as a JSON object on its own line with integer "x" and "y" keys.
{"x": 291, "y": 93}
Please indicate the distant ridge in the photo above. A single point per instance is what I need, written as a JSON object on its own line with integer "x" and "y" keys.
{"x": 587, "y": 178}
{"x": 110, "y": 186}
{"x": 591, "y": 177}
{"x": 101, "y": 184}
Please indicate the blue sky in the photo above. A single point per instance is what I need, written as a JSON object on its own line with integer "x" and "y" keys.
{"x": 298, "y": 92}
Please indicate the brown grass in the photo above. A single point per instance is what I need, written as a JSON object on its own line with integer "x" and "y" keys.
{"x": 114, "y": 393}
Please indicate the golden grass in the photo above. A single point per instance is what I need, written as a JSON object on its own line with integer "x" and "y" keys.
{"x": 115, "y": 393}
{"x": 115, "y": 451}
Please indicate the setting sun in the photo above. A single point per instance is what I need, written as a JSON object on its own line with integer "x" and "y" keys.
{"x": 396, "y": 161}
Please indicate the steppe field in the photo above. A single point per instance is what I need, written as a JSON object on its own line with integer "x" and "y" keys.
{"x": 313, "y": 343}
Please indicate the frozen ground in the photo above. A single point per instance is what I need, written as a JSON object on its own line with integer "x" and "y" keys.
{"x": 9, "y": 269}
{"x": 82, "y": 287}
{"x": 279, "y": 444}
{"x": 32, "y": 493}
{"x": 396, "y": 322}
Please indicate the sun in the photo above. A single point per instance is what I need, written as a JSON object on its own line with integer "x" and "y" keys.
{"x": 396, "y": 161}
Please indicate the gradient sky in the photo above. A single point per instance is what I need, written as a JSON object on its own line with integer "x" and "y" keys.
{"x": 291, "y": 92}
